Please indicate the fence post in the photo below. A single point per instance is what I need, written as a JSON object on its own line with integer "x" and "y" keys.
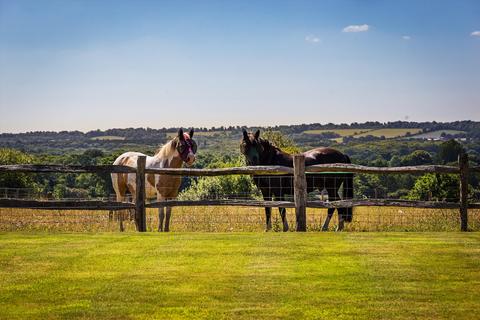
{"x": 463, "y": 164}
{"x": 140, "y": 215}
{"x": 300, "y": 191}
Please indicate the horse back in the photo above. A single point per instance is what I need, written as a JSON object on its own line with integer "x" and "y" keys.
{"x": 324, "y": 155}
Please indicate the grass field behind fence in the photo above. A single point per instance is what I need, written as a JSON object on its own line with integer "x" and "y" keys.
{"x": 357, "y": 133}
{"x": 240, "y": 275}
{"x": 238, "y": 219}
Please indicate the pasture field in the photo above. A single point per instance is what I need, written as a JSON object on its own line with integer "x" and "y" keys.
{"x": 357, "y": 133}
{"x": 239, "y": 276}
{"x": 172, "y": 135}
{"x": 107, "y": 138}
{"x": 435, "y": 134}
{"x": 390, "y": 132}
{"x": 238, "y": 219}
{"x": 341, "y": 132}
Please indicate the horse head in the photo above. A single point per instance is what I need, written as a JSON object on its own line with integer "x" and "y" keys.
{"x": 186, "y": 146}
{"x": 252, "y": 147}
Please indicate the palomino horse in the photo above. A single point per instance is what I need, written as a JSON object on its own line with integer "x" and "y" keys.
{"x": 259, "y": 151}
{"x": 173, "y": 154}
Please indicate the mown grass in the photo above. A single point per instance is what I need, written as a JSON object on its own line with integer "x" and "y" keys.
{"x": 240, "y": 276}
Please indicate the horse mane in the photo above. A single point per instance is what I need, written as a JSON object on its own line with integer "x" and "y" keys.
{"x": 267, "y": 145}
{"x": 167, "y": 149}
{"x": 274, "y": 153}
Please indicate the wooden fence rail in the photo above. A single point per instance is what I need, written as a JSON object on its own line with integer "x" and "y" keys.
{"x": 58, "y": 168}
{"x": 248, "y": 170}
{"x": 299, "y": 172}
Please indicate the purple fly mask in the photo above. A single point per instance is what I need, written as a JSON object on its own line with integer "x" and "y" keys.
{"x": 187, "y": 148}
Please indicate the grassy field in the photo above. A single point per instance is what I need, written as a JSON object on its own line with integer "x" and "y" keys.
{"x": 171, "y": 135}
{"x": 108, "y": 138}
{"x": 240, "y": 276}
{"x": 238, "y": 219}
{"x": 357, "y": 133}
{"x": 389, "y": 132}
{"x": 341, "y": 132}
{"x": 436, "y": 134}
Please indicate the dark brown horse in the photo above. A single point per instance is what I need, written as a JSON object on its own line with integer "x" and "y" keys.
{"x": 259, "y": 151}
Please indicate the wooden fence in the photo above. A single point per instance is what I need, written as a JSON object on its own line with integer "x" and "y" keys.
{"x": 298, "y": 171}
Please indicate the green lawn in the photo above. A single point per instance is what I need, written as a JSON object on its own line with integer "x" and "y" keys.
{"x": 240, "y": 275}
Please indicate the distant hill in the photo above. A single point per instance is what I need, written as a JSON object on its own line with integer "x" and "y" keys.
{"x": 215, "y": 137}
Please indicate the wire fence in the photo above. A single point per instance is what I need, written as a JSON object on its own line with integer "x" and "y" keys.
{"x": 237, "y": 219}
{"x": 321, "y": 187}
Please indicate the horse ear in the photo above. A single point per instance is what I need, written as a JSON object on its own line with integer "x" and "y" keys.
{"x": 191, "y": 133}
{"x": 180, "y": 134}
{"x": 245, "y": 134}
{"x": 257, "y": 134}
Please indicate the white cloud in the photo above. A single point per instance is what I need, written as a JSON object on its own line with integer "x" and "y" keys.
{"x": 312, "y": 39}
{"x": 475, "y": 34}
{"x": 356, "y": 28}
{"x": 406, "y": 37}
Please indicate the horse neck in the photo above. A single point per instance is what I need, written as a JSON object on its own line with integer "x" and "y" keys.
{"x": 275, "y": 156}
{"x": 168, "y": 156}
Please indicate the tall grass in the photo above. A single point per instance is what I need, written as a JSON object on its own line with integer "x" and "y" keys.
{"x": 235, "y": 219}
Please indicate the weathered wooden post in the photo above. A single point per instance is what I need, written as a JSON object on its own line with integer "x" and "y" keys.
{"x": 140, "y": 215}
{"x": 300, "y": 191}
{"x": 463, "y": 164}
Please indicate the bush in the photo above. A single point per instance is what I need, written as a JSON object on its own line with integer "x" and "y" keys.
{"x": 15, "y": 179}
{"x": 221, "y": 187}
{"x": 436, "y": 187}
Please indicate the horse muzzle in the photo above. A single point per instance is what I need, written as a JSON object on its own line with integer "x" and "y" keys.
{"x": 190, "y": 160}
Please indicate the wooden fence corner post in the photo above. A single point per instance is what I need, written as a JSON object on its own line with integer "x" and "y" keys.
{"x": 463, "y": 164}
{"x": 140, "y": 214}
{"x": 300, "y": 191}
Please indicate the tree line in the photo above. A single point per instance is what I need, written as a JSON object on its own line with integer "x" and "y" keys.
{"x": 377, "y": 153}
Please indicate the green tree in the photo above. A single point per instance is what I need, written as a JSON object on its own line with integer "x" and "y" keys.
{"x": 416, "y": 158}
{"x": 436, "y": 187}
{"x": 16, "y": 179}
{"x": 231, "y": 186}
{"x": 281, "y": 141}
{"x": 395, "y": 161}
{"x": 449, "y": 151}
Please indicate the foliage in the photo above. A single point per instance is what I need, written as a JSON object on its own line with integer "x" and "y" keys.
{"x": 231, "y": 186}
{"x": 437, "y": 187}
{"x": 449, "y": 151}
{"x": 219, "y": 147}
{"x": 281, "y": 141}
{"x": 416, "y": 158}
{"x": 15, "y": 179}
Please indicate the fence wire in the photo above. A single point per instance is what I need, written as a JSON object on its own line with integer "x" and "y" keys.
{"x": 237, "y": 219}
{"x": 322, "y": 187}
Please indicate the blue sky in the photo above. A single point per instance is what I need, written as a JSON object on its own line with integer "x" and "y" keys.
{"x": 82, "y": 65}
